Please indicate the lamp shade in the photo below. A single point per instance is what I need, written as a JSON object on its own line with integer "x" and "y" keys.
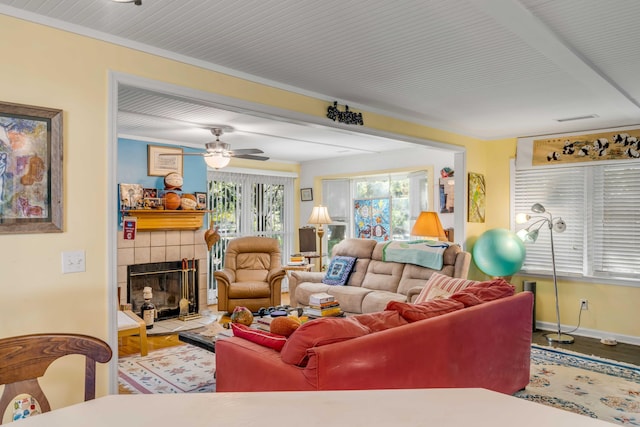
{"x": 428, "y": 225}
{"x": 217, "y": 161}
{"x": 319, "y": 215}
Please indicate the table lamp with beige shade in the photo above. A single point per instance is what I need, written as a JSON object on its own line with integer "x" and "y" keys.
{"x": 319, "y": 216}
{"x": 428, "y": 225}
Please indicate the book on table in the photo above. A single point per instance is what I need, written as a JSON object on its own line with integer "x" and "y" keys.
{"x": 325, "y": 305}
{"x": 327, "y": 312}
{"x": 263, "y": 323}
{"x": 320, "y": 298}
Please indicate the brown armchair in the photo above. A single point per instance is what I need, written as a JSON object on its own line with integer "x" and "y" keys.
{"x": 252, "y": 274}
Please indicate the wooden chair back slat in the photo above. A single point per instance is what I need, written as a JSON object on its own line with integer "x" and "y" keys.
{"x": 26, "y": 358}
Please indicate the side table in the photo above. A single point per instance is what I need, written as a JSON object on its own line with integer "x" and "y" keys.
{"x": 301, "y": 267}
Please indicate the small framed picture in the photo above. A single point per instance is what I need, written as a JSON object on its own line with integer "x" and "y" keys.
{"x": 306, "y": 194}
{"x": 152, "y": 203}
{"x": 201, "y": 199}
{"x": 163, "y": 160}
{"x": 149, "y": 193}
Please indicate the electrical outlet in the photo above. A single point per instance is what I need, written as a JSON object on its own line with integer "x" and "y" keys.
{"x": 584, "y": 304}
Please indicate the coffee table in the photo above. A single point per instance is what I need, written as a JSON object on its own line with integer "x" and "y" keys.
{"x": 194, "y": 338}
{"x": 202, "y": 338}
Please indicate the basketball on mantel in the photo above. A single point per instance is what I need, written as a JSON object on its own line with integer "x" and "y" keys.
{"x": 173, "y": 181}
{"x": 171, "y": 201}
{"x": 188, "y": 202}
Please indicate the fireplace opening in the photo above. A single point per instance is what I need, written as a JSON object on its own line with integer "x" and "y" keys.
{"x": 171, "y": 282}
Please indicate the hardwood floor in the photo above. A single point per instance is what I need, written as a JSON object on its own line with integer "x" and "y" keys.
{"x": 620, "y": 352}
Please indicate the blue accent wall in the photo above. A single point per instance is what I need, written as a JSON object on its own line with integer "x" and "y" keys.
{"x": 132, "y": 168}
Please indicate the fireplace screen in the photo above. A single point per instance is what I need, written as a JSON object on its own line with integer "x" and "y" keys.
{"x": 174, "y": 285}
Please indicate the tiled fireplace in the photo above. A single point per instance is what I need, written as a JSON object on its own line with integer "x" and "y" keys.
{"x": 162, "y": 247}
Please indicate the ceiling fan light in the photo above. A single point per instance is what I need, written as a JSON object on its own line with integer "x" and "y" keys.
{"x": 217, "y": 161}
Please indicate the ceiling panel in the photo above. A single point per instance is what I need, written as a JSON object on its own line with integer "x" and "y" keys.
{"x": 483, "y": 68}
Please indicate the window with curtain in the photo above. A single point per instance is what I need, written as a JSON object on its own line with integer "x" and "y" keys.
{"x": 599, "y": 204}
{"x": 244, "y": 204}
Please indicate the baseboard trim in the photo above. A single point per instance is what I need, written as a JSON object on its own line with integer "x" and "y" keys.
{"x": 589, "y": 333}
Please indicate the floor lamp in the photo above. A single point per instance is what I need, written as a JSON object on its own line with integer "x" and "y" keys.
{"x": 320, "y": 216}
{"x": 530, "y": 235}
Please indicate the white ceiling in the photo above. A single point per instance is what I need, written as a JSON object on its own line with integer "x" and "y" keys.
{"x": 483, "y": 68}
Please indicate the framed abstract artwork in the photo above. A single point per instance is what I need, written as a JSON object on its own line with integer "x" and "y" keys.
{"x": 30, "y": 169}
{"x": 477, "y": 194}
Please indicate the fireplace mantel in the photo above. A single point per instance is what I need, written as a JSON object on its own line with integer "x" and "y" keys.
{"x": 159, "y": 220}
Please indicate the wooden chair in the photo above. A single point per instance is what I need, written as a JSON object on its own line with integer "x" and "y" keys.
{"x": 26, "y": 358}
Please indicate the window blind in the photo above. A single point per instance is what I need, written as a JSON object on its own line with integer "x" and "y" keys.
{"x": 616, "y": 225}
{"x": 599, "y": 204}
{"x": 562, "y": 193}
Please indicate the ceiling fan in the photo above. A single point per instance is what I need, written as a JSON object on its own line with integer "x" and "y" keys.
{"x": 218, "y": 154}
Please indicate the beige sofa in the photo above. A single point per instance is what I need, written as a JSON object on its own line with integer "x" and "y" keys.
{"x": 374, "y": 282}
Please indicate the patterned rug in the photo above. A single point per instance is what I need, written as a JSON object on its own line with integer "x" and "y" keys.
{"x": 180, "y": 369}
{"x": 586, "y": 385}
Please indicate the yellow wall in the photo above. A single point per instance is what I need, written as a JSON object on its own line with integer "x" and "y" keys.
{"x": 52, "y": 68}
{"x": 611, "y": 308}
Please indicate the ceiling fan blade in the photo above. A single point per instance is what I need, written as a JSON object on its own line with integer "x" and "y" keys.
{"x": 183, "y": 154}
{"x": 242, "y": 152}
{"x": 251, "y": 157}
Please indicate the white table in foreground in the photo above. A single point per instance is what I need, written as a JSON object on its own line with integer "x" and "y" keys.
{"x": 368, "y": 408}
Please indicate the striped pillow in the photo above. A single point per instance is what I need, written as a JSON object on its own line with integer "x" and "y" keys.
{"x": 448, "y": 284}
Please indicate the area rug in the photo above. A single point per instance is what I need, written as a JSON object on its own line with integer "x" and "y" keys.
{"x": 180, "y": 369}
{"x": 586, "y": 385}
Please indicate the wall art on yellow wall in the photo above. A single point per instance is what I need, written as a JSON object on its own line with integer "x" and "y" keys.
{"x": 477, "y": 194}
{"x": 30, "y": 169}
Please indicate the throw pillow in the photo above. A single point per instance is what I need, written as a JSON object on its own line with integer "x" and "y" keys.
{"x": 426, "y": 310}
{"x": 381, "y": 320}
{"x": 484, "y": 292}
{"x": 319, "y": 332}
{"x": 284, "y": 325}
{"x": 437, "y": 293}
{"x": 442, "y": 282}
{"x": 339, "y": 270}
{"x": 264, "y": 338}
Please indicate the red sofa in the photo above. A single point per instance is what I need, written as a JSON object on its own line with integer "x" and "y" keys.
{"x": 485, "y": 346}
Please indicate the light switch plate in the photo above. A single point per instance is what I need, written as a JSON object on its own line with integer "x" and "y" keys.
{"x": 73, "y": 262}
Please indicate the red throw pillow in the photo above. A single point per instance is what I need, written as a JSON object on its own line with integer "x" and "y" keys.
{"x": 425, "y": 310}
{"x": 380, "y": 320}
{"x": 257, "y": 336}
{"x": 318, "y": 332}
{"x": 484, "y": 292}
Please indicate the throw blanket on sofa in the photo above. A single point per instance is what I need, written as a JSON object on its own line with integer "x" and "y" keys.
{"x": 425, "y": 253}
